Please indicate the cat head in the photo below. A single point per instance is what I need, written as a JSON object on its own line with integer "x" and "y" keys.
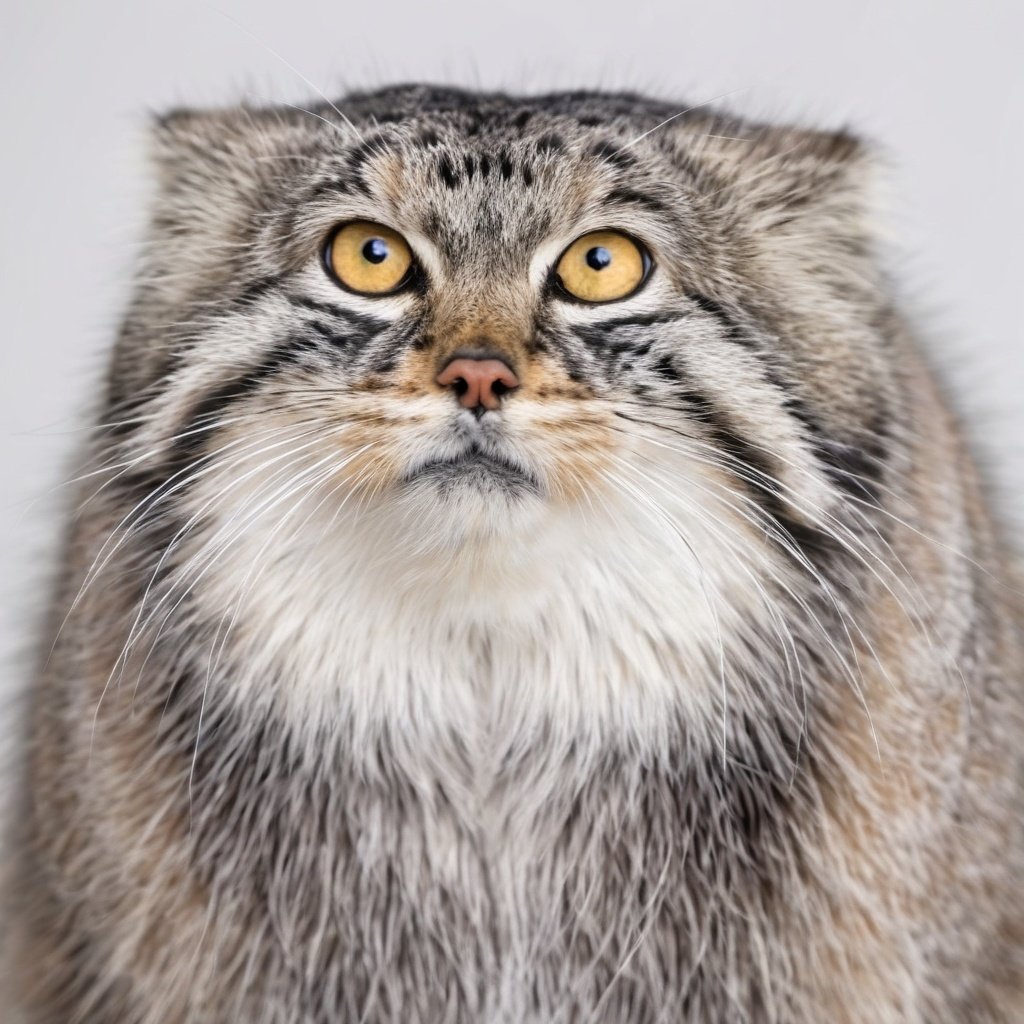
{"x": 458, "y": 316}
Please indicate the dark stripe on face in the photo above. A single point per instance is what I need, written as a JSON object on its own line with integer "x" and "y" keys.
{"x": 193, "y": 434}
{"x": 174, "y": 358}
{"x": 733, "y": 329}
{"x": 255, "y": 291}
{"x": 749, "y": 464}
{"x": 596, "y": 332}
{"x": 853, "y": 469}
{"x": 620, "y": 196}
{"x": 368, "y": 326}
{"x": 209, "y": 409}
{"x": 606, "y": 343}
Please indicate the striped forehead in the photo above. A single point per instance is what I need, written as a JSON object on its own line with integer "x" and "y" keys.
{"x": 475, "y": 192}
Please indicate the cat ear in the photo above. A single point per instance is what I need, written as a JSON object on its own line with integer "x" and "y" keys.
{"x": 785, "y": 181}
{"x": 202, "y": 155}
{"x": 217, "y": 174}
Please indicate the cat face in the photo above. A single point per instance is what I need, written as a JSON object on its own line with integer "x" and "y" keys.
{"x": 739, "y": 377}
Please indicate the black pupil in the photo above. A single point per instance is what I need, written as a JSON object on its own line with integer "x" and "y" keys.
{"x": 598, "y": 258}
{"x": 375, "y": 250}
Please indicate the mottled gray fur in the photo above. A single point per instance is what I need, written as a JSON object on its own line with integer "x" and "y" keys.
{"x": 706, "y": 707}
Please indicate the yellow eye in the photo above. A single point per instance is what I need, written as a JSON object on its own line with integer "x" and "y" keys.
{"x": 602, "y": 267}
{"x": 368, "y": 258}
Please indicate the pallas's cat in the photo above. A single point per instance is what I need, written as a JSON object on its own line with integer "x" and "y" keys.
{"x": 523, "y": 571}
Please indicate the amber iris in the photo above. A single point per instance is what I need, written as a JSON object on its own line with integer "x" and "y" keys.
{"x": 368, "y": 258}
{"x": 602, "y": 267}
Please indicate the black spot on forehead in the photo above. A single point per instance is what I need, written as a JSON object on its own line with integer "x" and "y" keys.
{"x": 493, "y": 166}
{"x": 552, "y": 142}
{"x": 608, "y": 151}
{"x": 447, "y": 172}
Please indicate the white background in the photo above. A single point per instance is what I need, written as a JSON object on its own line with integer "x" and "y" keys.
{"x": 937, "y": 84}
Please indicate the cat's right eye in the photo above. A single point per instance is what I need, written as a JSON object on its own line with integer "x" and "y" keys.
{"x": 368, "y": 258}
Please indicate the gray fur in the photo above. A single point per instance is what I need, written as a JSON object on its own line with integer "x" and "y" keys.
{"x": 716, "y": 718}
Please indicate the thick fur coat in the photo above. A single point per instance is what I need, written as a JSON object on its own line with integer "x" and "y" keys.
{"x": 686, "y": 686}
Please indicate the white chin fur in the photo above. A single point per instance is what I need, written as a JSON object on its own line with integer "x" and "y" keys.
{"x": 489, "y": 617}
{"x": 446, "y": 517}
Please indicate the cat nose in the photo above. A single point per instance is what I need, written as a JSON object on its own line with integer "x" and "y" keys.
{"x": 479, "y": 383}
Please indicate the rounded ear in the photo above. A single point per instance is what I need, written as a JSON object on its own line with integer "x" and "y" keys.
{"x": 204, "y": 211}
{"x": 217, "y": 173}
{"x": 209, "y": 160}
{"x": 781, "y": 180}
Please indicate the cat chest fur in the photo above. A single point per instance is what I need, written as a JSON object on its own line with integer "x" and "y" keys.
{"x": 509, "y": 804}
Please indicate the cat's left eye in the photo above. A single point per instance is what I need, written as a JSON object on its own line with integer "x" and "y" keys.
{"x": 602, "y": 266}
{"x": 368, "y": 258}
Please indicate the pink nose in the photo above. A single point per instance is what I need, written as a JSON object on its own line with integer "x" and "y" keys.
{"x": 478, "y": 382}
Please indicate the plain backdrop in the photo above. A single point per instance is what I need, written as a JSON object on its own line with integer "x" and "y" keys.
{"x": 936, "y": 84}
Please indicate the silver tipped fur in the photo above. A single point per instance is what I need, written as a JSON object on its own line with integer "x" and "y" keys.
{"x": 684, "y": 686}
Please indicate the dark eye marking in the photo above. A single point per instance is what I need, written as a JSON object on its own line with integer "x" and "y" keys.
{"x": 256, "y": 290}
{"x": 369, "y": 326}
{"x": 734, "y": 331}
{"x": 620, "y": 196}
{"x": 601, "y": 334}
{"x": 202, "y": 421}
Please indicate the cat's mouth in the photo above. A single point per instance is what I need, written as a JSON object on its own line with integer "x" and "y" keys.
{"x": 475, "y": 466}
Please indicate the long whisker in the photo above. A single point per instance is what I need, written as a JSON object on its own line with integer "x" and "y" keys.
{"x": 144, "y": 507}
{"x": 139, "y": 626}
{"x": 850, "y": 541}
{"x": 295, "y": 71}
{"x": 805, "y": 608}
{"x": 248, "y": 582}
{"x": 683, "y": 113}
